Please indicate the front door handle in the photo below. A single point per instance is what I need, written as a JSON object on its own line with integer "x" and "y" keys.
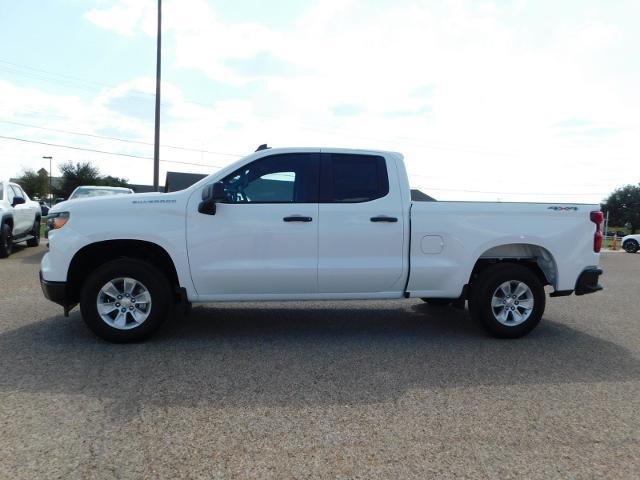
{"x": 384, "y": 218}
{"x": 297, "y": 218}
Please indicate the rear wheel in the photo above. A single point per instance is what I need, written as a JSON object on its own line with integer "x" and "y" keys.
{"x": 125, "y": 300}
{"x": 508, "y": 300}
{"x": 438, "y": 302}
{"x": 34, "y": 241}
{"x": 631, "y": 246}
{"x": 6, "y": 242}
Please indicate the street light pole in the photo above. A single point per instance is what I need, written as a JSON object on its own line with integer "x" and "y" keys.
{"x": 50, "y": 159}
{"x": 156, "y": 143}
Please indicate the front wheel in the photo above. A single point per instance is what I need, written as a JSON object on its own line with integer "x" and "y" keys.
{"x": 6, "y": 242}
{"x": 34, "y": 241}
{"x": 125, "y": 300}
{"x": 631, "y": 246}
{"x": 508, "y": 300}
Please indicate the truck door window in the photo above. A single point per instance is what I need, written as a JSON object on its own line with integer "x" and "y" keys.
{"x": 10, "y": 194}
{"x": 349, "y": 178}
{"x": 19, "y": 192}
{"x": 286, "y": 178}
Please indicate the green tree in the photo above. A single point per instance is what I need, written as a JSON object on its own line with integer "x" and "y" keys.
{"x": 29, "y": 182}
{"x": 43, "y": 183}
{"x": 35, "y": 184}
{"x": 83, "y": 173}
{"x": 110, "y": 181}
{"x": 623, "y": 206}
{"x": 75, "y": 175}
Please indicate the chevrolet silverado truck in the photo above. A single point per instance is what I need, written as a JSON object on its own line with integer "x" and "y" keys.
{"x": 314, "y": 224}
{"x": 19, "y": 218}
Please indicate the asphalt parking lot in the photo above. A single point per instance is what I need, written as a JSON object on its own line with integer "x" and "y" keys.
{"x": 322, "y": 390}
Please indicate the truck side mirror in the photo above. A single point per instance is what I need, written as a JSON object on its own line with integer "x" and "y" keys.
{"x": 211, "y": 194}
{"x": 218, "y": 191}
{"x": 17, "y": 201}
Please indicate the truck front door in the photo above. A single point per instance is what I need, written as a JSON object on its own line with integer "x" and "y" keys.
{"x": 22, "y": 214}
{"x": 263, "y": 239}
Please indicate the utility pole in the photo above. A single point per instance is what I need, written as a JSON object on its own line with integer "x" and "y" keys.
{"x": 156, "y": 143}
{"x": 50, "y": 159}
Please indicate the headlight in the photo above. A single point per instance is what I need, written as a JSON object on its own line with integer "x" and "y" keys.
{"x": 57, "y": 220}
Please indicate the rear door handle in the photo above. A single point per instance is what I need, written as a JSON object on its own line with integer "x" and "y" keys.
{"x": 384, "y": 218}
{"x": 297, "y": 218}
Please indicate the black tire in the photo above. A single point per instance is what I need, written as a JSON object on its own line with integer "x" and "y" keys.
{"x": 488, "y": 283}
{"x": 438, "y": 302}
{"x": 6, "y": 243}
{"x": 631, "y": 246}
{"x": 156, "y": 284}
{"x": 35, "y": 234}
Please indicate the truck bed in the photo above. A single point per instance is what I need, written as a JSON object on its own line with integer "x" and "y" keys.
{"x": 447, "y": 239}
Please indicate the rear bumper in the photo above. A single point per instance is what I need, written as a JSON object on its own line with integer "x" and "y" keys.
{"x": 54, "y": 291}
{"x": 588, "y": 281}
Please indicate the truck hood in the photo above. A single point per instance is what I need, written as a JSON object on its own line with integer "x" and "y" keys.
{"x": 115, "y": 202}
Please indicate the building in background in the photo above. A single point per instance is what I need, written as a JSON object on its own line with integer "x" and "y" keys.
{"x": 179, "y": 181}
{"x": 143, "y": 188}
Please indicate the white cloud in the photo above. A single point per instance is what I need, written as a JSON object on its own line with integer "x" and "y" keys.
{"x": 123, "y": 16}
{"x": 497, "y": 89}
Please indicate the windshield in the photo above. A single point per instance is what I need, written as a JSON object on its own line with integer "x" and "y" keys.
{"x": 96, "y": 192}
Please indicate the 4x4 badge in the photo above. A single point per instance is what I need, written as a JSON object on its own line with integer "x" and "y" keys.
{"x": 562, "y": 209}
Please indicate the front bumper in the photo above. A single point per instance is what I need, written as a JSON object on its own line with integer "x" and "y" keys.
{"x": 588, "y": 281}
{"x": 54, "y": 291}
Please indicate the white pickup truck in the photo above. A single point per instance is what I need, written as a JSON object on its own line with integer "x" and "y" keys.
{"x": 19, "y": 218}
{"x": 310, "y": 224}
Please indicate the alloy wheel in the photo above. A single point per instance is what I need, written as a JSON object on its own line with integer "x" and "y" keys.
{"x": 123, "y": 303}
{"x": 512, "y": 303}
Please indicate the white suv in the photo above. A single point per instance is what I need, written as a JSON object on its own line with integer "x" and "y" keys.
{"x": 19, "y": 218}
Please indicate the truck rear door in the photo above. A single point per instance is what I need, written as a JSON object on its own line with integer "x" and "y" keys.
{"x": 360, "y": 244}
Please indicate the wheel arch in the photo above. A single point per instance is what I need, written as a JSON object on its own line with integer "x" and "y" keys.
{"x": 91, "y": 256}
{"x": 8, "y": 219}
{"x": 535, "y": 257}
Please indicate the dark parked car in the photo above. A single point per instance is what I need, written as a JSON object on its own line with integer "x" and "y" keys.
{"x": 45, "y": 208}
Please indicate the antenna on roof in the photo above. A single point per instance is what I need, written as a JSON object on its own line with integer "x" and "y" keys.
{"x": 262, "y": 147}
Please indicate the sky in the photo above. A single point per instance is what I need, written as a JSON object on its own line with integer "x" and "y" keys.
{"x": 509, "y": 100}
